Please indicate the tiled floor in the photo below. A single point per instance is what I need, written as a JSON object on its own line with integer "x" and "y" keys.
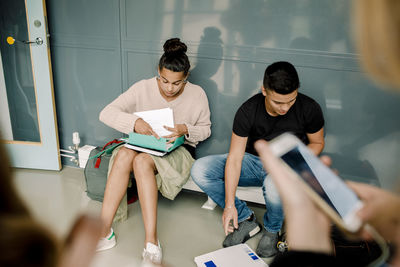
{"x": 185, "y": 230}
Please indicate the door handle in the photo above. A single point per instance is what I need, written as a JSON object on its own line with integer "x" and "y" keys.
{"x": 11, "y": 41}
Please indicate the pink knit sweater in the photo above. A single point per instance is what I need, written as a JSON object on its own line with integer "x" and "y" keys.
{"x": 190, "y": 108}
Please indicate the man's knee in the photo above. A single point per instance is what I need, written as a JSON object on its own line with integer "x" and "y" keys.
{"x": 271, "y": 193}
{"x": 207, "y": 170}
{"x": 199, "y": 170}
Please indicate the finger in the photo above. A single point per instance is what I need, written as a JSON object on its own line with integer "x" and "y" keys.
{"x": 366, "y": 212}
{"x": 154, "y": 134}
{"x": 326, "y": 160}
{"x": 169, "y": 128}
{"x": 272, "y": 164}
{"x": 171, "y": 140}
{"x": 172, "y": 130}
{"x": 225, "y": 222}
{"x": 268, "y": 159}
{"x": 235, "y": 222}
{"x": 169, "y": 136}
{"x": 362, "y": 190}
{"x": 357, "y": 187}
{"x": 226, "y": 228}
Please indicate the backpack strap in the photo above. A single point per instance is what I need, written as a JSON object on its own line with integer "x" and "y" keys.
{"x": 98, "y": 161}
{"x": 115, "y": 141}
{"x": 109, "y": 150}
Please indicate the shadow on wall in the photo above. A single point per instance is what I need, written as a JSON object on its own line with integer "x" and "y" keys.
{"x": 283, "y": 24}
{"x": 209, "y": 59}
{"x": 370, "y": 130}
{"x": 294, "y": 29}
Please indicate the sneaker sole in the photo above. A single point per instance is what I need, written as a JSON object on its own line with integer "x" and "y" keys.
{"x": 110, "y": 245}
{"x": 249, "y": 235}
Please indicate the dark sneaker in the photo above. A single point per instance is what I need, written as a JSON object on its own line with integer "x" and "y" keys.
{"x": 268, "y": 245}
{"x": 246, "y": 230}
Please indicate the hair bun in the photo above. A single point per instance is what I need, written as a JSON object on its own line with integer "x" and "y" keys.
{"x": 174, "y": 46}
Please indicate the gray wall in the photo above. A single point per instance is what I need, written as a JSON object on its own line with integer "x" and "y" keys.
{"x": 99, "y": 48}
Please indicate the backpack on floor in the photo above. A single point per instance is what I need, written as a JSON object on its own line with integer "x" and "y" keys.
{"x": 96, "y": 169}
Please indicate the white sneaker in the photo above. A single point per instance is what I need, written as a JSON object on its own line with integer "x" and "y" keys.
{"x": 152, "y": 253}
{"x": 106, "y": 242}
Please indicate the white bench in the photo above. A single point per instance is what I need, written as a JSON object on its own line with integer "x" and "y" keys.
{"x": 252, "y": 194}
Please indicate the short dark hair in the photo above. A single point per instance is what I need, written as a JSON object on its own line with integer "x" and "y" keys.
{"x": 281, "y": 77}
{"x": 174, "y": 57}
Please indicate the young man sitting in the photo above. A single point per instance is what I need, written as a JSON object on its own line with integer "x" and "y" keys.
{"x": 277, "y": 109}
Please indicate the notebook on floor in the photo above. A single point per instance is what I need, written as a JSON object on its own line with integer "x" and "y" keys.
{"x": 235, "y": 256}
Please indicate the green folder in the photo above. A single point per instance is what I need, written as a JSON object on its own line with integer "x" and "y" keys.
{"x": 150, "y": 142}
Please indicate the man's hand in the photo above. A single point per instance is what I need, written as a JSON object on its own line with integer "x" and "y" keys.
{"x": 177, "y": 131}
{"x": 230, "y": 215}
{"x": 142, "y": 127}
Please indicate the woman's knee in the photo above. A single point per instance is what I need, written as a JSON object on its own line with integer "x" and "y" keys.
{"x": 143, "y": 162}
{"x": 123, "y": 160}
{"x": 125, "y": 156}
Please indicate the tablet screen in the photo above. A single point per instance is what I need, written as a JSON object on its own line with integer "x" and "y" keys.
{"x": 321, "y": 179}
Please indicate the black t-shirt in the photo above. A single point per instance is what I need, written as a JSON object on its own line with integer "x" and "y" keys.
{"x": 253, "y": 121}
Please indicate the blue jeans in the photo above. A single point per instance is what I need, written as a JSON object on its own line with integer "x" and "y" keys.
{"x": 209, "y": 174}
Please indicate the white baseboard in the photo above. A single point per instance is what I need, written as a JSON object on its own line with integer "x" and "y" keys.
{"x": 251, "y": 194}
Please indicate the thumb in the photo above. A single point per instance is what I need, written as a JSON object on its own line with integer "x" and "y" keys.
{"x": 364, "y": 191}
{"x": 355, "y": 187}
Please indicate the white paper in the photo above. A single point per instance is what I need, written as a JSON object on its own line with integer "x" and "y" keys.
{"x": 235, "y": 256}
{"x": 158, "y": 118}
{"x": 146, "y": 150}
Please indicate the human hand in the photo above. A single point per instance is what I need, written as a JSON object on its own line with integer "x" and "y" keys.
{"x": 381, "y": 210}
{"x": 230, "y": 219}
{"x": 142, "y": 127}
{"x": 307, "y": 227}
{"x": 177, "y": 131}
